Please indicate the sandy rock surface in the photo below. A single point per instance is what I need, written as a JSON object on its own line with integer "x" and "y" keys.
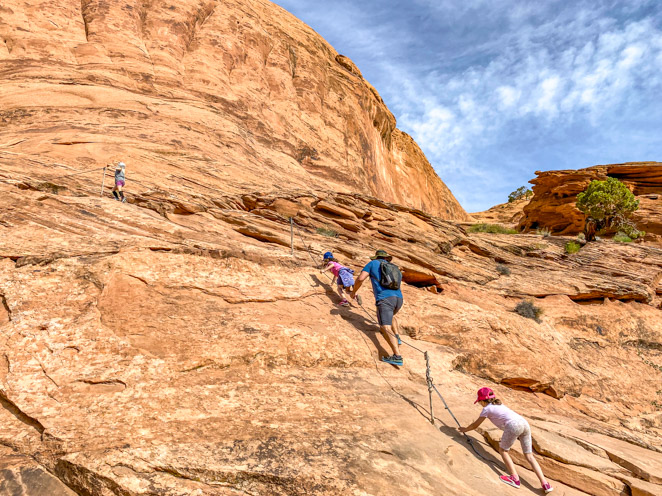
{"x": 506, "y": 214}
{"x": 159, "y": 353}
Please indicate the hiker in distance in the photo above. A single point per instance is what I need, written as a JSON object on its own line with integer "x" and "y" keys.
{"x": 385, "y": 278}
{"x": 118, "y": 190}
{"x": 343, "y": 275}
{"x": 514, "y": 426}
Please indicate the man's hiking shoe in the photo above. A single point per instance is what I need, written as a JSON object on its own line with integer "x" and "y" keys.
{"x": 344, "y": 303}
{"x": 510, "y": 480}
{"x": 123, "y": 200}
{"x": 547, "y": 488}
{"x": 394, "y": 360}
{"x": 398, "y": 338}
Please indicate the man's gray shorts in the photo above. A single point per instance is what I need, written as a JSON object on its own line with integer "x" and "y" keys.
{"x": 387, "y": 308}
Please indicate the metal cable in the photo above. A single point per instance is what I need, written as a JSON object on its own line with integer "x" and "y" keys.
{"x": 469, "y": 439}
{"x": 82, "y": 172}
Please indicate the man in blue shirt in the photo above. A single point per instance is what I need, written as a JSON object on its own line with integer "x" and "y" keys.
{"x": 388, "y": 301}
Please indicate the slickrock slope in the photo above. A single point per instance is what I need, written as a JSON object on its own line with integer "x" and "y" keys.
{"x": 152, "y": 348}
{"x": 175, "y": 346}
{"x": 555, "y": 194}
{"x": 236, "y": 94}
{"x": 506, "y": 214}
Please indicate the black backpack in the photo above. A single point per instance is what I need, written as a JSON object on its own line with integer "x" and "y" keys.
{"x": 390, "y": 276}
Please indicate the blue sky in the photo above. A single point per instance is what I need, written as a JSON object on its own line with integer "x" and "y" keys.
{"x": 494, "y": 90}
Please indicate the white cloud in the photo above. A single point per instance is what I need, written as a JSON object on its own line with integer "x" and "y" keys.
{"x": 484, "y": 86}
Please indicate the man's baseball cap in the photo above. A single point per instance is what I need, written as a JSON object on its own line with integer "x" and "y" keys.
{"x": 122, "y": 165}
{"x": 381, "y": 254}
{"x": 484, "y": 394}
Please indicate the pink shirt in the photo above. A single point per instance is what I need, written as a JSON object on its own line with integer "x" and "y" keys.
{"x": 500, "y": 415}
{"x": 335, "y": 268}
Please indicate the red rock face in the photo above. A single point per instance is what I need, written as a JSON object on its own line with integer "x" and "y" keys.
{"x": 186, "y": 344}
{"x": 555, "y": 195}
{"x": 241, "y": 92}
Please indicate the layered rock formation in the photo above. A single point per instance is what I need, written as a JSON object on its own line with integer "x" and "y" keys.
{"x": 152, "y": 350}
{"x": 239, "y": 94}
{"x": 555, "y": 195}
{"x": 186, "y": 344}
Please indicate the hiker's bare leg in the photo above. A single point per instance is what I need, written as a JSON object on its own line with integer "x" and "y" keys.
{"x": 536, "y": 468}
{"x": 396, "y": 327}
{"x": 387, "y": 332}
{"x": 340, "y": 292}
{"x": 510, "y": 466}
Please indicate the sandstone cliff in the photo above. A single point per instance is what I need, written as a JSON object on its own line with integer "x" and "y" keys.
{"x": 555, "y": 194}
{"x": 231, "y": 94}
{"x": 175, "y": 345}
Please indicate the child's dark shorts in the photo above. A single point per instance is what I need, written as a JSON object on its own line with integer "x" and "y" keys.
{"x": 387, "y": 308}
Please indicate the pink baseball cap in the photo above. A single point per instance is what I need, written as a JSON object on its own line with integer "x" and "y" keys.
{"x": 485, "y": 394}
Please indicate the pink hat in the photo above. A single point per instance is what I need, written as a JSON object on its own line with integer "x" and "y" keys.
{"x": 485, "y": 394}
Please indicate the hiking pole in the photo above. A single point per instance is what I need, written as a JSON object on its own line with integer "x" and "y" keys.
{"x": 428, "y": 378}
{"x": 103, "y": 181}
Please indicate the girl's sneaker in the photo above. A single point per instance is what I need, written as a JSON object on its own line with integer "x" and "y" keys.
{"x": 344, "y": 303}
{"x": 547, "y": 488}
{"x": 510, "y": 480}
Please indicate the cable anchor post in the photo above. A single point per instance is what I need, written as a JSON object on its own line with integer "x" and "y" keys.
{"x": 292, "y": 236}
{"x": 428, "y": 379}
{"x": 103, "y": 181}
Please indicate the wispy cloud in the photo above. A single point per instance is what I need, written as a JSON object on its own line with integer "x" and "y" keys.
{"x": 494, "y": 91}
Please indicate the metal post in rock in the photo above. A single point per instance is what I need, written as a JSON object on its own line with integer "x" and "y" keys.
{"x": 103, "y": 181}
{"x": 428, "y": 378}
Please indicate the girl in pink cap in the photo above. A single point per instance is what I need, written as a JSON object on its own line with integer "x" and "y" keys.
{"x": 514, "y": 426}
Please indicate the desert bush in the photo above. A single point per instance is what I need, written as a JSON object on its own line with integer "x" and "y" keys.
{"x": 621, "y": 237}
{"x": 543, "y": 231}
{"x": 503, "y": 270}
{"x": 629, "y": 229}
{"x": 608, "y": 203}
{"x": 519, "y": 193}
{"x": 492, "y": 228}
{"x": 527, "y": 309}
{"x": 572, "y": 247}
{"x": 327, "y": 232}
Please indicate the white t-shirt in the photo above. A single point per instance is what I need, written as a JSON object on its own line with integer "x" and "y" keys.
{"x": 500, "y": 415}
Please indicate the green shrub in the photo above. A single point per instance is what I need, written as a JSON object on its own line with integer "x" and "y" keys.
{"x": 522, "y": 192}
{"x": 327, "y": 232}
{"x": 543, "y": 231}
{"x": 629, "y": 229}
{"x": 610, "y": 203}
{"x": 529, "y": 310}
{"x": 492, "y": 228}
{"x": 621, "y": 237}
{"x": 503, "y": 270}
{"x": 572, "y": 247}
